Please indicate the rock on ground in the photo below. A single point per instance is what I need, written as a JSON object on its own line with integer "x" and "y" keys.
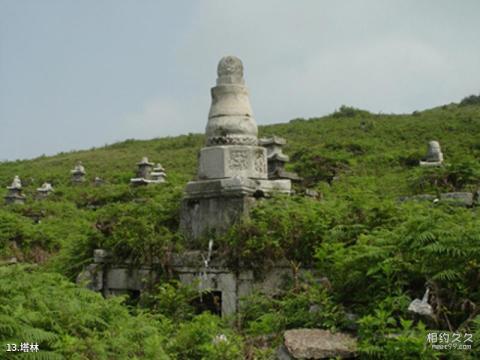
{"x": 319, "y": 344}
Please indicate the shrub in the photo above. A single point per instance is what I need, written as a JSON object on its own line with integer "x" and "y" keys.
{"x": 69, "y": 322}
{"x": 306, "y": 306}
{"x": 425, "y": 248}
{"x": 470, "y": 100}
{"x": 349, "y": 111}
{"x": 451, "y": 177}
{"x": 205, "y": 337}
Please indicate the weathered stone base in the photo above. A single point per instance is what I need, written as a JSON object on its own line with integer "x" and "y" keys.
{"x": 431, "y": 163}
{"x": 15, "y": 199}
{"x": 143, "y": 181}
{"x": 202, "y": 216}
{"x": 213, "y": 206}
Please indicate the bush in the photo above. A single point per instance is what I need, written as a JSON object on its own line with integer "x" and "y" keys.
{"x": 425, "y": 248}
{"x": 382, "y": 338}
{"x": 470, "y": 100}
{"x": 314, "y": 167}
{"x": 451, "y": 177}
{"x": 306, "y": 306}
{"x": 349, "y": 111}
{"x": 280, "y": 228}
{"x": 205, "y": 338}
{"x": 171, "y": 299}
{"x": 69, "y": 322}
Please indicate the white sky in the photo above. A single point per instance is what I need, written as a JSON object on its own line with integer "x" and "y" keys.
{"x": 77, "y": 74}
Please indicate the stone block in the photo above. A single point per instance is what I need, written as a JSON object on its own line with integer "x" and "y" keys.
{"x": 280, "y": 186}
{"x": 431, "y": 163}
{"x": 100, "y": 256}
{"x": 201, "y": 216}
{"x": 218, "y": 162}
{"x": 420, "y": 197}
{"x": 458, "y": 198}
{"x": 319, "y": 344}
{"x": 91, "y": 277}
{"x": 231, "y": 187}
{"x": 126, "y": 279}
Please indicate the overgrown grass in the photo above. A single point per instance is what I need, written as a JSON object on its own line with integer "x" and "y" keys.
{"x": 377, "y": 253}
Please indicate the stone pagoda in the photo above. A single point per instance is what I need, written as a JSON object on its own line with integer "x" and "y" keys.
{"x": 14, "y": 195}
{"x": 434, "y": 155}
{"x": 148, "y": 173}
{"x": 44, "y": 191}
{"x": 78, "y": 173}
{"x": 158, "y": 174}
{"x": 277, "y": 159}
{"x": 232, "y": 170}
{"x": 98, "y": 181}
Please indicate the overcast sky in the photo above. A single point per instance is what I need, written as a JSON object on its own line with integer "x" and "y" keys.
{"x": 77, "y": 74}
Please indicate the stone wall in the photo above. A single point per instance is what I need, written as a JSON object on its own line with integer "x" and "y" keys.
{"x": 116, "y": 279}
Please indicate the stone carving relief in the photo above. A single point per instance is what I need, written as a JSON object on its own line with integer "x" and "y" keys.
{"x": 238, "y": 160}
{"x": 260, "y": 163}
{"x": 232, "y": 140}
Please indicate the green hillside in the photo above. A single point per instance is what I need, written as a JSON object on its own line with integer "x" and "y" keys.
{"x": 377, "y": 252}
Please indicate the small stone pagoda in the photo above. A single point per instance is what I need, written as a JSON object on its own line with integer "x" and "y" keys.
{"x": 158, "y": 174}
{"x": 232, "y": 169}
{"x": 14, "y": 195}
{"x": 98, "y": 181}
{"x": 148, "y": 173}
{"x": 434, "y": 155}
{"x": 78, "y": 173}
{"x": 277, "y": 159}
{"x": 44, "y": 191}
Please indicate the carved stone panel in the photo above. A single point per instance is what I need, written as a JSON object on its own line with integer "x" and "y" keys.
{"x": 238, "y": 160}
{"x": 260, "y": 162}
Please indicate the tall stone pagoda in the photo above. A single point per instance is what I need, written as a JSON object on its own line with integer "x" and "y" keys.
{"x": 232, "y": 169}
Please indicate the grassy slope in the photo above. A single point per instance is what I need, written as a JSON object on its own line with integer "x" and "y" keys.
{"x": 382, "y": 141}
{"x": 371, "y": 151}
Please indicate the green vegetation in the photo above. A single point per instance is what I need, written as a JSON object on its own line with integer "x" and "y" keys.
{"x": 377, "y": 253}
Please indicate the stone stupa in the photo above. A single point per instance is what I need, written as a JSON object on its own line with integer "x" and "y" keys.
{"x": 78, "y": 173}
{"x": 232, "y": 169}
{"x": 434, "y": 155}
{"x": 44, "y": 191}
{"x": 14, "y": 194}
